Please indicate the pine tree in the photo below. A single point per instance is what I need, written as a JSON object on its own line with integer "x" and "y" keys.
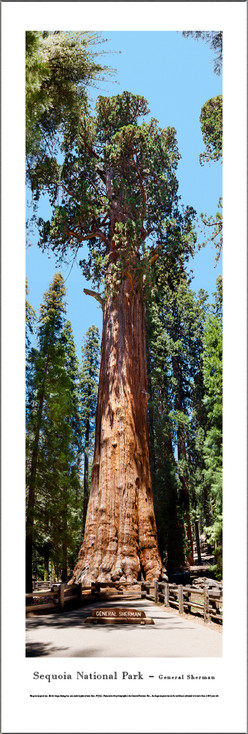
{"x": 212, "y": 450}
{"x": 89, "y": 375}
{"x": 60, "y": 68}
{"x": 30, "y": 320}
{"x": 215, "y": 40}
{"x": 163, "y": 462}
{"x": 175, "y": 331}
{"x": 53, "y": 436}
{"x": 30, "y": 324}
{"x": 211, "y": 127}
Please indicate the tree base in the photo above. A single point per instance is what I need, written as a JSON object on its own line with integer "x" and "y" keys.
{"x": 120, "y": 539}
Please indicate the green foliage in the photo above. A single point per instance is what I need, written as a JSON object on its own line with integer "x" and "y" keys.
{"x": 89, "y": 375}
{"x": 214, "y": 535}
{"x": 30, "y": 324}
{"x": 212, "y": 449}
{"x": 212, "y": 370}
{"x": 37, "y": 99}
{"x": 214, "y": 39}
{"x": 212, "y": 377}
{"x": 60, "y": 67}
{"x": 30, "y": 318}
{"x": 54, "y": 442}
{"x": 212, "y": 228}
{"x": 175, "y": 328}
{"x": 184, "y": 338}
{"x": 88, "y": 389}
{"x": 211, "y": 120}
{"x": 117, "y": 188}
{"x": 211, "y": 127}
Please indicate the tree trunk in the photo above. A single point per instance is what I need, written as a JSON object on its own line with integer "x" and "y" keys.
{"x": 86, "y": 470}
{"x": 184, "y": 491}
{"x": 151, "y": 422}
{"x": 64, "y": 552}
{"x": 197, "y": 538}
{"x": 46, "y": 562}
{"x": 32, "y": 483}
{"x": 120, "y": 539}
{"x": 31, "y": 497}
{"x": 176, "y": 558}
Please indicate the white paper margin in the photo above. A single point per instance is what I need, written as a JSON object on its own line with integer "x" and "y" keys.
{"x": 228, "y": 712}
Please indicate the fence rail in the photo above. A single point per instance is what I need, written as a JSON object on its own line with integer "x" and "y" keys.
{"x": 189, "y": 599}
{"x": 207, "y": 603}
{"x": 42, "y": 585}
{"x": 56, "y": 599}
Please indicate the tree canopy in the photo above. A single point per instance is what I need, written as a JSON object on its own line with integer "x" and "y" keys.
{"x": 53, "y": 437}
{"x": 61, "y": 66}
{"x": 117, "y": 188}
{"x": 211, "y": 127}
{"x": 88, "y": 388}
{"x": 214, "y": 40}
{"x": 111, "y": 178}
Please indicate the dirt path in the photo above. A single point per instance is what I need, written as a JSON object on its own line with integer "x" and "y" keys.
{"x": 171, "y": 635}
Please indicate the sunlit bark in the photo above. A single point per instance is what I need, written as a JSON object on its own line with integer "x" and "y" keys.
{"x": 120, "y": 539}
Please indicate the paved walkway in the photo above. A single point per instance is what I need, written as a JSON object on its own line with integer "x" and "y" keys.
{"x": 67, "y": 635}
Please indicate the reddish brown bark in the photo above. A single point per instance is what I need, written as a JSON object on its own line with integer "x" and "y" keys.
{"x": 120, "y": 537}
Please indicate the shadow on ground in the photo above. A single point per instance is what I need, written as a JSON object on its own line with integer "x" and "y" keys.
{"x": 40, "y": 649}
{"x": 77, "y": 619}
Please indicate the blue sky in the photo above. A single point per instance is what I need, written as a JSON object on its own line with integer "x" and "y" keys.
{"x": 175, "y": 74}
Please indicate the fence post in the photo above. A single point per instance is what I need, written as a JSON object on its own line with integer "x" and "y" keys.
{"x": 62, "y": 596}
{"x": 187, "y": 601}
{"x": 180, "y": 598}
{"x": 206, "y": 604}
{"x": 143, "y": 590}
{"x": 166, "y": 594}
{"x": 156, "y": 591}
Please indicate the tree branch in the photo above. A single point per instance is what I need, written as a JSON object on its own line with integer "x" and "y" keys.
{"x": 95, "y": 295}
{"x": 95, "y": 155}
{"x": 141, "y": 185}
{"x": 88, "y": 236}
{"x": 155, "y": 255}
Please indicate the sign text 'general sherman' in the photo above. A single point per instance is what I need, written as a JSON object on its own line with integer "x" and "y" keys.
{"x": 119, "y": 616}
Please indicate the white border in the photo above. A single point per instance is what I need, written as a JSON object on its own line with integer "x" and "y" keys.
{"x": 227, "y": 714}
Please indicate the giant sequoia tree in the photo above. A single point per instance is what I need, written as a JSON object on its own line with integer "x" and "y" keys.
{"x": 117, "y": 189}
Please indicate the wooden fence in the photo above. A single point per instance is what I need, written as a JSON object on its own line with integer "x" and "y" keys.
{"x": 53, "y": 599}
{"x": 42, "y": 585}
{"x": 207, "y": 603}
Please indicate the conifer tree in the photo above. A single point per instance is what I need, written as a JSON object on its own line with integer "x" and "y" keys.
{"x": 53, "y": 436}
{"x": 30, "y": 324}
{"x": 215, "y": 40}
{"x": 89, "y": 375}
{"x": 175, "y": 333}
{"x": 119, "y": 187}
{"x": 29, "y": 319}
{"x": 60, "y": 68}
{"x": 212, "y": 450}
{"x": 211, "y": 127}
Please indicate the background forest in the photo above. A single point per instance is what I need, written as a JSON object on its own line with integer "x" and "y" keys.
{"x": 184, "y": 329}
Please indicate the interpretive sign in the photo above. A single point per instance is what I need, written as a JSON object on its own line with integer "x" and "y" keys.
{"x": 118, "y": 613}
{"x": 119, "y": 616}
